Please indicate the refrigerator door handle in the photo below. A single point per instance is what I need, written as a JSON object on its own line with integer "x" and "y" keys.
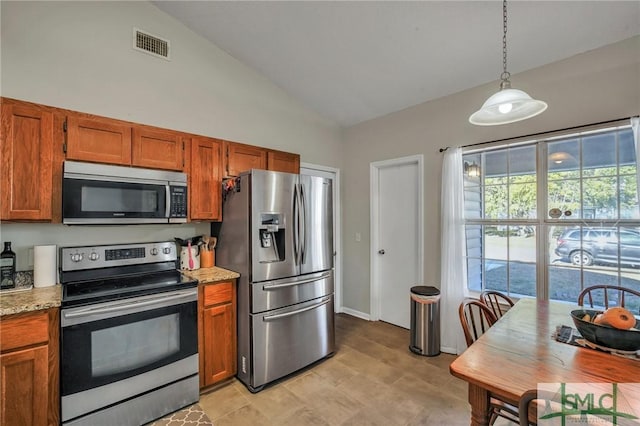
{"x": 299, "y": 225}
{"x": 268, "y": 287}
{"x": 303, "y": 227}
{"x": 296, "y": 312}
{"x": 296, "y": 218}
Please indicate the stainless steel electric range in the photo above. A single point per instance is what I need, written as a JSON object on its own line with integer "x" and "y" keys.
{"x": 129, "y": 338}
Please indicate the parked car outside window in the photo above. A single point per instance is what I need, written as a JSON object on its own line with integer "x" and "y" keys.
{"x": 586, "y": 246}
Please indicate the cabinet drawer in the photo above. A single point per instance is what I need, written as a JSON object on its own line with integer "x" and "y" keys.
{"x": 24, "y": 330}
{"x": 218, "y": 293}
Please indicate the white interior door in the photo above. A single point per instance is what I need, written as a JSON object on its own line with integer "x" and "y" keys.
{"x": 397, "y": 237}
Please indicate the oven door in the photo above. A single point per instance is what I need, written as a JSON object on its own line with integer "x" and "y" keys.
{"x": 116, "y": 350}
{"x": 87, "y": 201}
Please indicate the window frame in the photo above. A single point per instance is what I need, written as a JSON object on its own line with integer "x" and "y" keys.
{"x": 543, "y": 223}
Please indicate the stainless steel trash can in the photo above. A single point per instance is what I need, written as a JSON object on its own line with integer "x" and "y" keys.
{"x": 425, "y": 321}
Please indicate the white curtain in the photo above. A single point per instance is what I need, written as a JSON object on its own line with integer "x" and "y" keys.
{"x": 635, "y": 126}
{"x": 453, "y": 276}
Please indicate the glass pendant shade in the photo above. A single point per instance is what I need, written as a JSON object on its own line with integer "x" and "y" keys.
{"x": 507, "y": 106}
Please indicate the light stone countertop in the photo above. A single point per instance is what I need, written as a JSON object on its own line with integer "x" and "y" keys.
{"x": 35, "y": 299}
{"x": 210, "y": 275}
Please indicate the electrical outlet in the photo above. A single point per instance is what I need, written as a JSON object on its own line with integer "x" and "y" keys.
{"x": 358, "y": 237}
{"x": 30, "y": 257}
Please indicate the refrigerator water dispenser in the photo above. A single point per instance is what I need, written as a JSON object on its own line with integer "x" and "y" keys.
{"x": 272, "y": 238}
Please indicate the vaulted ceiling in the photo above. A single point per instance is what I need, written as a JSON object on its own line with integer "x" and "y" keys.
{"x": 352, "y": 61}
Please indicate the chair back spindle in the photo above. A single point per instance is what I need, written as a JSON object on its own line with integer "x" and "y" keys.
{"x": 607, "y": 296}
{"x": 497, "y": 302}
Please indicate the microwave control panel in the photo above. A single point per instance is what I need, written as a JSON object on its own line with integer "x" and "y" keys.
{"x": 178, "y": 201}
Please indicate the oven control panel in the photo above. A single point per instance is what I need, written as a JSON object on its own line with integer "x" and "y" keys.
{"x": 92, "y": 257}
{"x": 121, "y": 254}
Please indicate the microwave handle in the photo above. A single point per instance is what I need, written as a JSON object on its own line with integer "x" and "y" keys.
{"x": 167, "y": 203}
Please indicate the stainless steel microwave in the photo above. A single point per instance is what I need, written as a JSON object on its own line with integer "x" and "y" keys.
{"x": 99, "y": 194}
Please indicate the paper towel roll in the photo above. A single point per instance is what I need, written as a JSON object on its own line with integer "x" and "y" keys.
{"x": 44, "y": 266}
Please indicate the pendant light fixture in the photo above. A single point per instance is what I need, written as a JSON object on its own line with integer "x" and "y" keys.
{"x": 508, "y": 105}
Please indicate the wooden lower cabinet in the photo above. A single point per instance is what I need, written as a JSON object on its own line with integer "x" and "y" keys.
{"x": 29, "y": 376}
{"x": 217, "y": 332}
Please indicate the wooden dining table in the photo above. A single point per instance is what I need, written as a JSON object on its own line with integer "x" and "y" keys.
{"x": 518, "y": 352}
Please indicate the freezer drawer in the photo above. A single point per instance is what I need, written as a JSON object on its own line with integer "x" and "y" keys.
{"x": 268, "y": 295}
{"x": 286, "y": 340}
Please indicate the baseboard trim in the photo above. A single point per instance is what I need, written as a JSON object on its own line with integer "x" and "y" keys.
{"x": 446, "y": 350}
{"x": 356, "y": 314}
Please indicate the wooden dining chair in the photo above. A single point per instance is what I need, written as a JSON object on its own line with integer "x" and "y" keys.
{"x": 602, "y": 295}
{"x": 497, "y": 302}
{"x": 523, "y": 407}
{"x": 476, "y": 318}
{"x": 526, "y": 405}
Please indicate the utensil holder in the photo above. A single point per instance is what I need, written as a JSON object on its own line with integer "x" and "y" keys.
{"x": 207, "y": 258}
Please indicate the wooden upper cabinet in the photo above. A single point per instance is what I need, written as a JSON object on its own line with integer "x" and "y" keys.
{"x": 98, "y": 140}
{"x": 279, "y": 161}
{"x": 27, "y": 154}
{"x": 241, "y": 157}
{"x": 205, "y": 179}
{"x": 157, "y": 148}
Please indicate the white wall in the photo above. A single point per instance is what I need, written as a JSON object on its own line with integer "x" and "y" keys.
{"x": 600, "y": 85}
{"x": 78, "y": 55}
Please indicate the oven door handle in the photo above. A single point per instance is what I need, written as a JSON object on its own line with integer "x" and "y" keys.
{"x": 124, "y": 306}
{"x": 296, "y": 312}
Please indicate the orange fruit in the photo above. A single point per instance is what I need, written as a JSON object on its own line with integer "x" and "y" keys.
{"x": 618, "y": 317}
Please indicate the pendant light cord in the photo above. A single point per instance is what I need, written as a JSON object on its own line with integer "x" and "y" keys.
{"x": 505, "y": 83}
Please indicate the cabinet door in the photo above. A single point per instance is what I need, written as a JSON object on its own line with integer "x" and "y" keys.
{"x": 24, "y": 382}
{"x": 157, "y": 149}
{"x": 219, "y": 343}
{"x": 279, "y": 161}
{"x": 27, "y": 160}
{"x": 205, "y": 179}
{"x": 98, "y": 140}
{"x": 241, "y": 157}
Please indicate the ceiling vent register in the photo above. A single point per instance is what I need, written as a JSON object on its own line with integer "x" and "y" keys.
{"x": 150, "y": 44}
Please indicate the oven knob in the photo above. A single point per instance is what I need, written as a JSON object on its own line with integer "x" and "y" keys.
{"x": 166, "y": 250}
{"x": 154, "y": 251}
{"x": 94, "y": 256}
{"x": 76, "y": 257}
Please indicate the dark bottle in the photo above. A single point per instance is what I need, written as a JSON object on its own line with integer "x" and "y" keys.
{"x": 7, "y": 267}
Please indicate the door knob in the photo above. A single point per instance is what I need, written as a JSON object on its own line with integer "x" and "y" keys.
{"x": 381, "y": 251}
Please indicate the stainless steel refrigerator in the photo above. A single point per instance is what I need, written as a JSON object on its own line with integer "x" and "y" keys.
{"x": 277, "y": 232}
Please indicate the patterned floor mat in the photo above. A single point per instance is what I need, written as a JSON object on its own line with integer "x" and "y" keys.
{"x": 188, "y": 416}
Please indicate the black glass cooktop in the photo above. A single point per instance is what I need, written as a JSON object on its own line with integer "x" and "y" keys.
{"x": 112, "y": 288}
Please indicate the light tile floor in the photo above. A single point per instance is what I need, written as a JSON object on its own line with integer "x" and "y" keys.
{"x": 373, "y": 379}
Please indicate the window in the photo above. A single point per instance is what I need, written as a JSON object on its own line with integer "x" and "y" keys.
{"x": 547, "y": 218}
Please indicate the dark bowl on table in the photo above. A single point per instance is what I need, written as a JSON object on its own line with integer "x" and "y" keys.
{"x": 604, "y": 335}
